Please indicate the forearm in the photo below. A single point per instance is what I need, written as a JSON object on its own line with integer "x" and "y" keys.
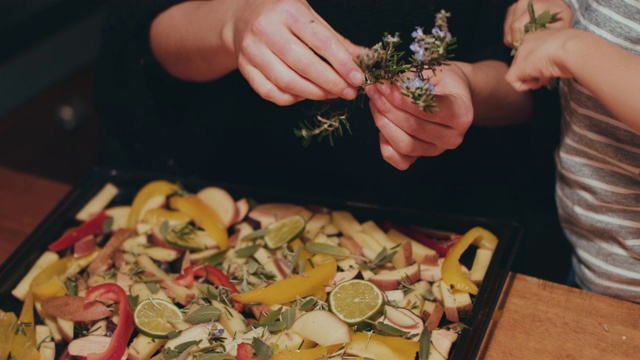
{"x": 611, "y": 74}
{"x": 495, "y": 102}
{"x": 187, "y": 40}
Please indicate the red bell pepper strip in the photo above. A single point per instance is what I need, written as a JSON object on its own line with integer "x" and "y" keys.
{"x": 118, "y": 346}
{"x": 92, "y": 226}
{"x": 245, "y": 352}
{"x": 441, "y": 247}
{"x": 214, "y": 275}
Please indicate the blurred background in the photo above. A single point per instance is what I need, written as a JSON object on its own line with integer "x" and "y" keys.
{"x": 49, "y": 126}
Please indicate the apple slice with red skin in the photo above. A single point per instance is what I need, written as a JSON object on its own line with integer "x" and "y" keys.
{"x": 221, "y": 202}
{"x": 268, "y": 213}
{"x": 91, "y": 344}
{"x": 390, "y": 280}
{"x": 442, "y": 340}
{"x": 404, "y": 319}
{"x": 322, "y": 327}
{"x": 242, "y": 209}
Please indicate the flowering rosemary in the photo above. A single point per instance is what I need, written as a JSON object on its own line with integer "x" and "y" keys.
{"x": 384, "y": 62}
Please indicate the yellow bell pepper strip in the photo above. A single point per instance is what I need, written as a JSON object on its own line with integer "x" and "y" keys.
{"x": 24, "y": 344}
{"x": 149, "y": 191}
{"x": 7, "y": 321}
{"x": 49, "y": 281}
{"x": 92, "y": 226}
{"x": 452, "y": 274}
{"x": 311, "y": 282}
{"x": 204, "y": 216}
{"x": 118, "y": 345}
{"x": 374, "y": 346}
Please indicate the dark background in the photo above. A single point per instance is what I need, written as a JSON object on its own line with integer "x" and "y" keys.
{"x": 49, "y": 127}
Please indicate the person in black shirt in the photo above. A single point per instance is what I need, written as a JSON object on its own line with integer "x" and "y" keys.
{"x": 214, "y": 89}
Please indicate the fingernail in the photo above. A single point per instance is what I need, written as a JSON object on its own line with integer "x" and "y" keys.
{"x": 357, "y": 78}
{"x": 349, "y": 93}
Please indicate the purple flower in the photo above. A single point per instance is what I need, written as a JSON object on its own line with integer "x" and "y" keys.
{"x": 417, "y": 33}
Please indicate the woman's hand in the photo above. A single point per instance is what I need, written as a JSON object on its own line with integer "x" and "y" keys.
{"x": 284, "y": 49}
{"x": 407, "y": 132}
{"x": 518, "y": 15}
{"x": 287, "y": 52}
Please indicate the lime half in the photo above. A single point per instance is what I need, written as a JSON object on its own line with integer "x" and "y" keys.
{"x": 356, "y": 302}
{"x": 283, "y": 231}
{"x": 157, "y": 318}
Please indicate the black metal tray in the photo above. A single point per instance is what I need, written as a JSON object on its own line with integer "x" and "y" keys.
{"x": 62, "y": 216}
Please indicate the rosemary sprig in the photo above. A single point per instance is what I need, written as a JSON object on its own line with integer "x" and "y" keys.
{"x": 384, "y": 62}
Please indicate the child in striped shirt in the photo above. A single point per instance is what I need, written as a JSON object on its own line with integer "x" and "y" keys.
{"x": 594, "y": 49}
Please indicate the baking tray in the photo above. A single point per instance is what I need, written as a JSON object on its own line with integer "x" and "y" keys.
{"x": 62, "y": 217}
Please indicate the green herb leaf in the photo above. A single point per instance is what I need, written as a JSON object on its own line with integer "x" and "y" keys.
{"x": 256, "y": 234}
{"x": 327, "y": 249}
{"x": 390, "y": 330}
{"x": 247, "y": 251}
{"x": 261, "y": 348}
{"x": 216, "y": 258}
{"x": 204, "y": 314}
{"x": 425, "y": 344}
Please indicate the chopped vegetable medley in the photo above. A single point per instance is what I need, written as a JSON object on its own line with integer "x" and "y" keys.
{"x": 204, "y": 276}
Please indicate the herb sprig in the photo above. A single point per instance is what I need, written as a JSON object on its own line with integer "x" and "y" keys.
{"x": 384, "y": 62}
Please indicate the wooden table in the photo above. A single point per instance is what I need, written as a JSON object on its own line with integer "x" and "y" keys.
{"x": 535, "y": 319}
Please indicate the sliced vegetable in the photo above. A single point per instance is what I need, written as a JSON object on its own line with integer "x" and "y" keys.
{"x": 204, "y": 216}
{"x": 452, "y": 274}
{"x": 313, "y": 280}
{"x": 214, "y": 275}
{"x": 118, "y": 346}
{"x": 93, "y": 226}
{"x": 153, "y": 189}
{"x": 24, "y": 343}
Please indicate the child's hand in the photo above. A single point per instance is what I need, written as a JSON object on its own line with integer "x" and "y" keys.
{"x": 406, "y": 132}
{"x": 540, "y": 58}
{"x": 518, "y": 15}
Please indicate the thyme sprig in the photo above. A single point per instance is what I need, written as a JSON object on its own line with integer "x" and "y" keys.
{"x": 384, "y": 62}
{"x": 537, "y": 23}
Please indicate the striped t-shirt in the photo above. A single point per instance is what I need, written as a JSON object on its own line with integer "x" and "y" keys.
{"x": 598, "y": 161}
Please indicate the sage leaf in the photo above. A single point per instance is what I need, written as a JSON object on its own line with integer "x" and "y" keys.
{"x": 425, "y": 345}
{"x": 205, "y": 314}
{"x": 327, "y": 249}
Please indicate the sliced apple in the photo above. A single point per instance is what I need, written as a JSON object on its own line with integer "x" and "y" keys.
{"x": 221, "y": 201}
{"x": 390, "y": 280}
{"x": 242, "y": 209}
{"x": 143, "y": 347}
{"x": 92, "y": 344}
{"x": 268, "y": 213}
{"x": 442, "y": 340}
{"x": 430, "y": 272}
{"x": 404, "y": 319}
{"x": 480, "y": 265}
{"x": 313, "y": 325}
{"x": 288, "y": 340}
{"x": 419, "y": 252}
{"x": 119, "y": 214}
{"x": 433, "y": 311}
{"x": 347, "y": 242}
{"x": 315, "y": 224}
{"x": 414, "y": 298}
{"x": 98, "y": 202}
{"x": 66, "y": 329}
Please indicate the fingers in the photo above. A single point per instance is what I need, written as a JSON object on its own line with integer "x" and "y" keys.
{"x": 517, "y": 16}
{"x": 331, "y": 48}
{"x": 390, "y": 155}
{"x": 437, "y": 129}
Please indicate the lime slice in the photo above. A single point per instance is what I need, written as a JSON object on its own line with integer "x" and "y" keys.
{"x": 355, "y": 302}
{"x": 283, "y": 231}
{"x": 157, "y": 318}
